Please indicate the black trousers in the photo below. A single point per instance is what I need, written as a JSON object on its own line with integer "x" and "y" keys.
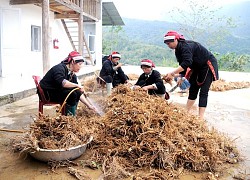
{"x": 60, "y": 96}
{"x": 115, "y": 80}
{"x": 203, "y": 88}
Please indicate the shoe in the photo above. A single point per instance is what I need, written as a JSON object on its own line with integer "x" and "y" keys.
{"x": 109, "y": 87}
{"x": 70, "y": 110}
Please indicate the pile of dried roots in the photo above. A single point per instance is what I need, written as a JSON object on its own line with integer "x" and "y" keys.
{"x": 142, "y": 131}
{"x": 90, "y": 83}
{"x": 138, "y": 131}
{"x": 61, "y": 132}
{"x": 133, "y": 77}
{"x": 222, "y": 85}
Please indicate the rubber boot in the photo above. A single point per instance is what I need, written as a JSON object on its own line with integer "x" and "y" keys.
{"x": 109, "y": 87}
{"x": 70, "y": 110}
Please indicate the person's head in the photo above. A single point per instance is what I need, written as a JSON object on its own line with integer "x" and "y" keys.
{"x": 115, "y": 57}
{"x": 171, "y": 39}
{"x": 147, "y": 65}
{"x": 74, "y": 60}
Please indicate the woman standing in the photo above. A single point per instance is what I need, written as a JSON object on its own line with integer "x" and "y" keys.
{"x": 203, "y": 65}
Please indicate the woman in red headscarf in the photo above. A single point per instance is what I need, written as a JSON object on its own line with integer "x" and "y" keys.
{"x": 60, "y": 80}
{"x": 150, "y": 80}
{"x": 202, "y": 64}
{"x": 112, "y": 72}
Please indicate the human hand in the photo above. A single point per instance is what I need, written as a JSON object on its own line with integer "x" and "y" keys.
{"x": 145, "y": 88}
{"x": 136, "y": 87}
{"x": 92, "y": 108}
{"x": 119, "y": 65}
{"x": 81, "y": 88}
{"x": 127, "y": 83}
{"x": 168, "y": 77}
{"x": 179, "y": 81}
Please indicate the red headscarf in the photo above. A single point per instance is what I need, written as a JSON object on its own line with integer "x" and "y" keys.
{"x": 170, "y": 36}
{"x": 114, "y": 54}
{"x": 74, "y": 55}
{"x": 147, "y": 62}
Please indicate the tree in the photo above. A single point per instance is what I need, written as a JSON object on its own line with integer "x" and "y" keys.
{"x": 200, "y": 20}
{"x": 111, "y": 39}
{"x": 234, "y": 62}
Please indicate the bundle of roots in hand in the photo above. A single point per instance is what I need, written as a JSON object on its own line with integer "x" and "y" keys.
{"x": 141, "y": 130}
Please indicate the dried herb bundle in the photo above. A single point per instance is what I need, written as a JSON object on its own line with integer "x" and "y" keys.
{"x": 137, "y": 132}
{"x": 140, "y": 131}
{"x": 89, "y": 83}
{"x": 222, "y": 85}
{"x": 61, "y": 132}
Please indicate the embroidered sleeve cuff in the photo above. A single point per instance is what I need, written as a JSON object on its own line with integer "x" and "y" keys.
{"x": 64, "y": 82}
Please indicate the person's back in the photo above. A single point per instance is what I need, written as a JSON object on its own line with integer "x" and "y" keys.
{"x": 107, "y": 69}
{"x": 200, "y": 54}
{"x": 53, "y": 79}
{"x": 105, "y": 58}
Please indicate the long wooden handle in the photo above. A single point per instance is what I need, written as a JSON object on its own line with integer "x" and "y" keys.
{"x": 12, "y": 130}
{"x": 100, "y": 78}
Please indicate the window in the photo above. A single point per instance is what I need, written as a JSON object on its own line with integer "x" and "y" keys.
{"x": 35, "y": 38}
{"x": 92, "y": 43}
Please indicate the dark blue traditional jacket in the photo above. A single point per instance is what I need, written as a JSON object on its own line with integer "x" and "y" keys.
{"x": 112, "y": 76}
{"x": 193, "y": 55}
{"x": 54, "y": 77}
{"x": 153, "y": 78}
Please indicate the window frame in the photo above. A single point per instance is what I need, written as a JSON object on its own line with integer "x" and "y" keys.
{"x": 35, "y": 38}
{"x": 91, "y": 43}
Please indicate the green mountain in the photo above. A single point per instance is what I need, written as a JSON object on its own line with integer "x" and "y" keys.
{"x": 239, "y": 11}
{"x": 141, "y": 39}
{"x": 152, "y": 32}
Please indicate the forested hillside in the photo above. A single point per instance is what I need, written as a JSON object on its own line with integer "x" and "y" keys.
{"x": 240, "y": 12}
{"x": 140, "y": 39}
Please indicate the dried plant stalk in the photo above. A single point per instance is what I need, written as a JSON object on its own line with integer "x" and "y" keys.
{"x": 222, "y": 85}
{"x": 145, "y": 131}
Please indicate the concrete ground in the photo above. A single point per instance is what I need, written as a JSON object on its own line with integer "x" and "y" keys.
{"x": 228, "y": 111}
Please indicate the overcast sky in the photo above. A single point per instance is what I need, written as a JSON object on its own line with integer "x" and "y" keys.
{"x": 157, "y": 9}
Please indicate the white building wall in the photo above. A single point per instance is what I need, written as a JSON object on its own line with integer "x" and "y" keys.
{"x": 32, "y": 15}
{"x": 10, "y": 41}
{"x": 16, "y": 56}
{"x": 99, "y": 45}
{"x": 58, "y": 32}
